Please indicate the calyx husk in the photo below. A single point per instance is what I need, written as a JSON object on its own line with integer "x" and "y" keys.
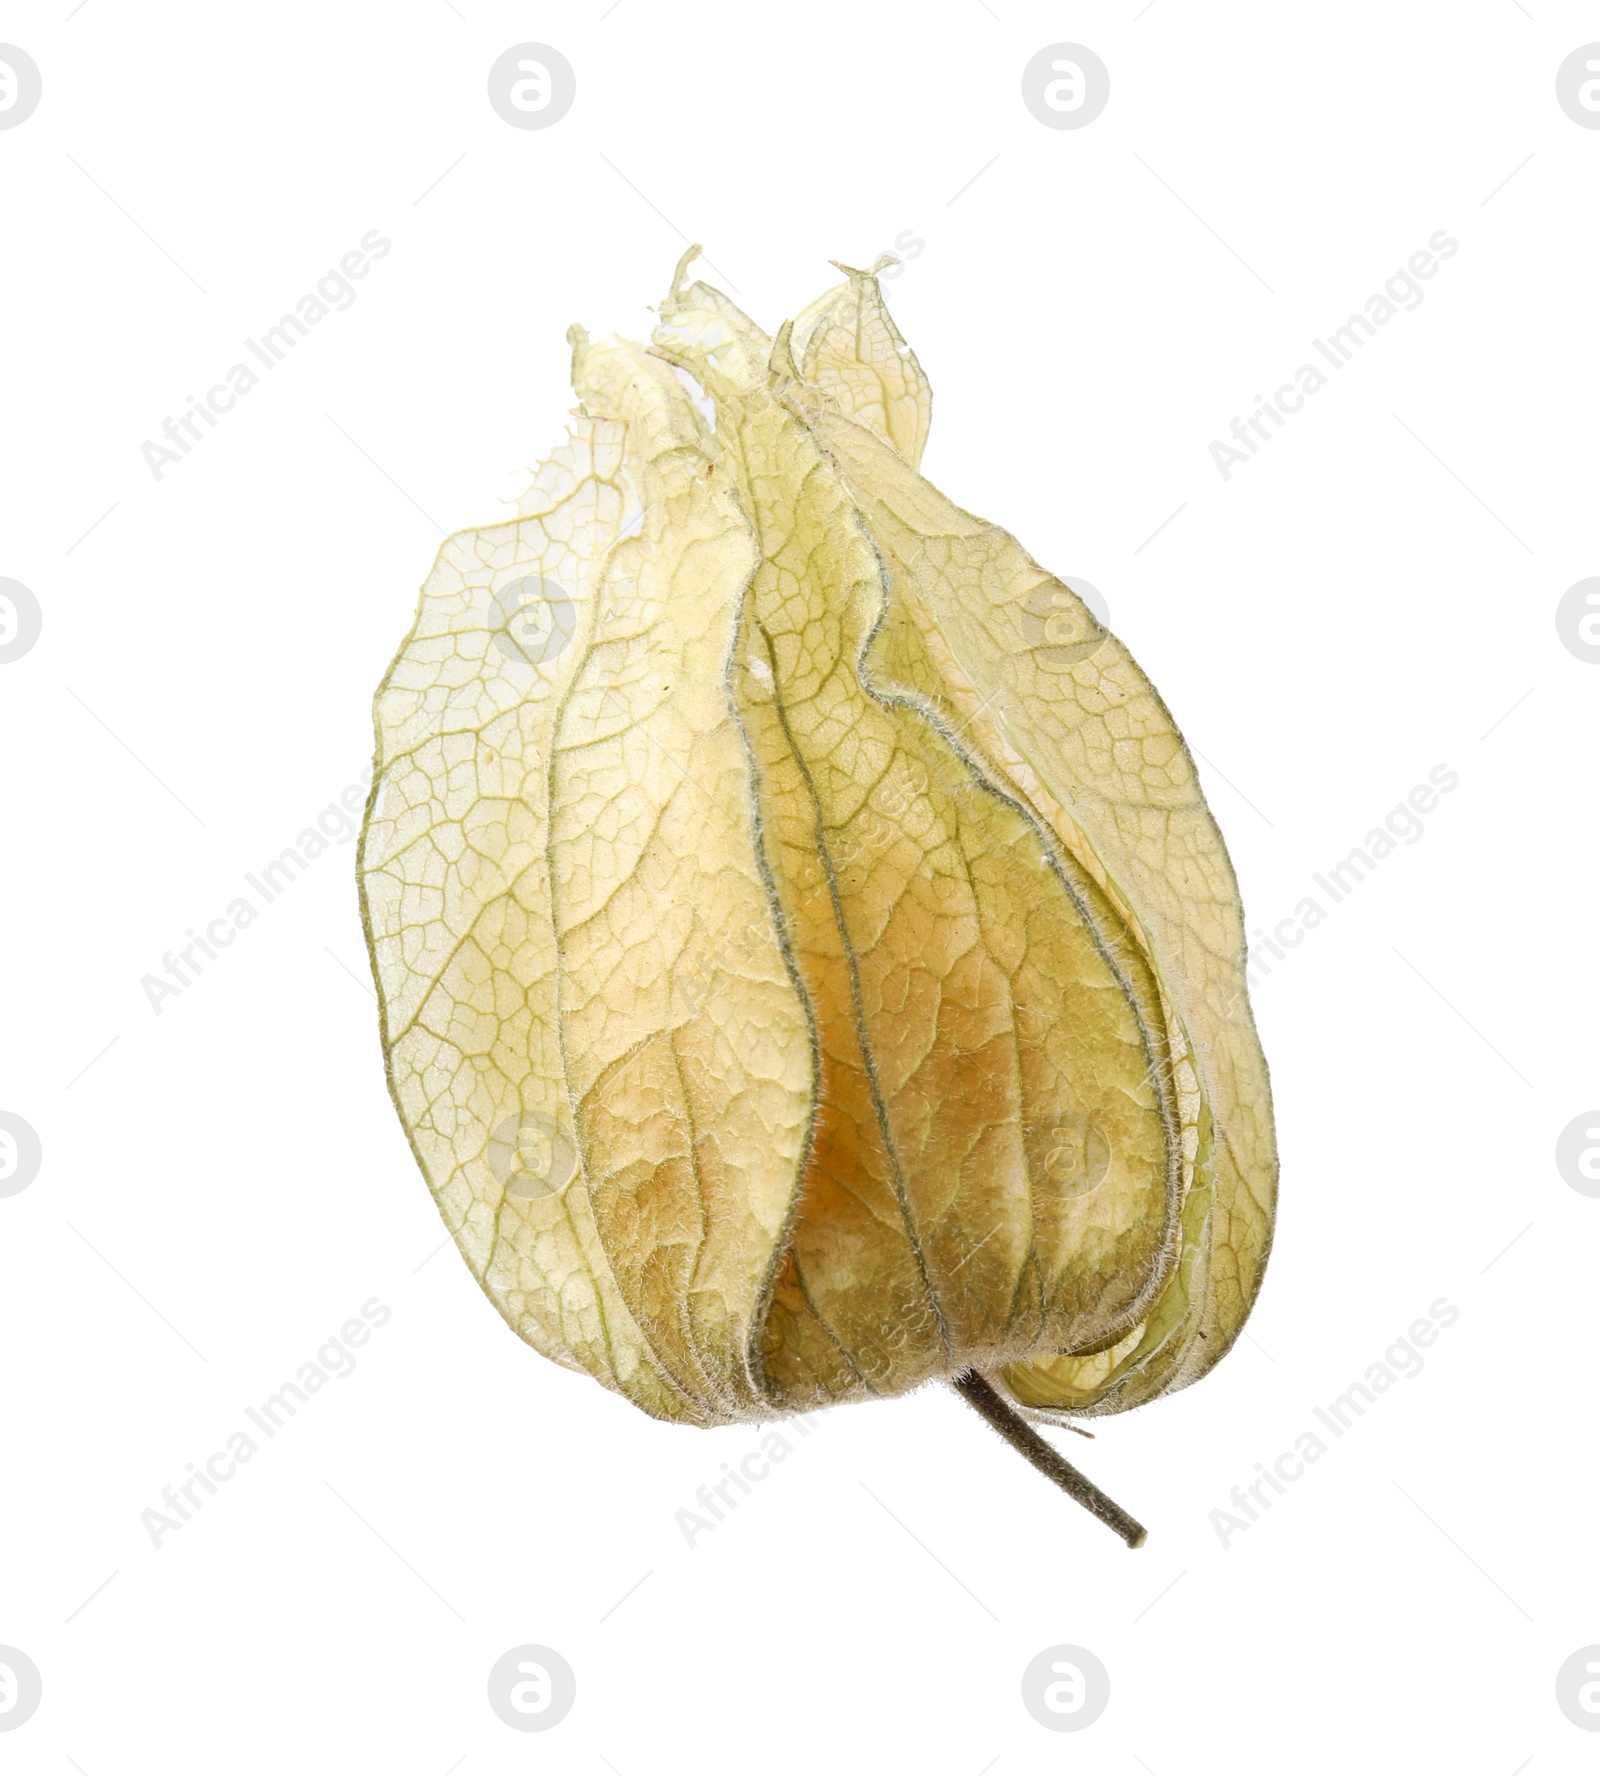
{"x": 808, "y": 966}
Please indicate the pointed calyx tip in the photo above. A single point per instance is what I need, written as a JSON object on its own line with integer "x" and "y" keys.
{"x": 780, "y": 361}
{"x": 681, "y": 270}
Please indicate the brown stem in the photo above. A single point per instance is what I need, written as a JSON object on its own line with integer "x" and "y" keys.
{"x": 1028, "y": 1443}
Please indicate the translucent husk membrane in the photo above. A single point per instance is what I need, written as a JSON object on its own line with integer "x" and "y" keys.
{"x": 808, "y": 966}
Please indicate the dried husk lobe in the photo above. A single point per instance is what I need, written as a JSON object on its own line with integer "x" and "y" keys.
{"x": 835, "y": 908}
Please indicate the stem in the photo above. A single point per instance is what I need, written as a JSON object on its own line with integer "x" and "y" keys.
{"x": 1027, "y": 1442}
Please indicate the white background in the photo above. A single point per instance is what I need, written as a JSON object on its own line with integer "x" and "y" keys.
{"x": 226, "y": 1183}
